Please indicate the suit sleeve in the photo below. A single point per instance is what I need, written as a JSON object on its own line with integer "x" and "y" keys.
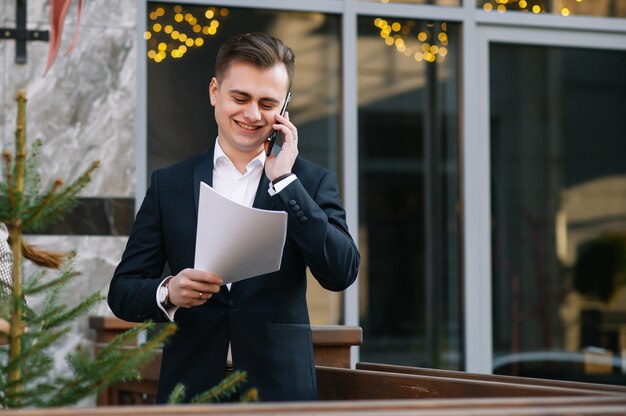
{"x": 133, "y": 287}
{"x": 317, "y": 223}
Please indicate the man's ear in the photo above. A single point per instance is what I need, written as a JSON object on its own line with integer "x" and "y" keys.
{"x": 213, "y": 91}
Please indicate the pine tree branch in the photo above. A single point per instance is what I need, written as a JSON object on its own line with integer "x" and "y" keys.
{"x": 119, "y": 371}
{"x": 225, "y": 388}
{"x": 54, "y": 205}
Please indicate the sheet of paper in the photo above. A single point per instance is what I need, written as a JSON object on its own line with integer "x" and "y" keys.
{"x": 237, "y": 242}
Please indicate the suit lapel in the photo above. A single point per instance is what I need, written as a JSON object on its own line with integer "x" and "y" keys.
{"x": 262, "y": 199}
{"x": 202, "y": 172}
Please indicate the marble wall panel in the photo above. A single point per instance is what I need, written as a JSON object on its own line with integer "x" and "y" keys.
{"x": 84, "y": 108}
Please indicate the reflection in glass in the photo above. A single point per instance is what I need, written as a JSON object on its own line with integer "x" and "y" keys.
{"x": 180, "y": 117}
{"x": 610, "y": 8}
{"x": 408, "y": 190}
{"x": 559, "y": 212}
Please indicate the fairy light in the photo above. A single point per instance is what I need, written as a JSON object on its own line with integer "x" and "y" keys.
{"x": 428, "y": 44}
{"x": 173, "y": 32}
{"x": 563, "y": 7}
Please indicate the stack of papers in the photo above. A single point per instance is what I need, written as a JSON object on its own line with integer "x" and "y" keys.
{"x": 235, "y": 241}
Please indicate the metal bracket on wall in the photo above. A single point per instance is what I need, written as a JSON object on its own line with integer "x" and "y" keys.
{"x": 20, "y": 33}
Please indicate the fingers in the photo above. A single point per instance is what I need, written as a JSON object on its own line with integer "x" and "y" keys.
{"x": 193, "y": 287}
{"x": 290, "y": 132}
{"x": 277, "y": 165}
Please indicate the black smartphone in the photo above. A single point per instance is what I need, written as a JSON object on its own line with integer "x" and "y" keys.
{"x": 272, "y": 138}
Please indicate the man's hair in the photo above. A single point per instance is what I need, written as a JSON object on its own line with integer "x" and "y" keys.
{"x": 257, "y": 49}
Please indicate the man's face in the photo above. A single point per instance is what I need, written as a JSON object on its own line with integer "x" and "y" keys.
{"x": 246, "y": 101}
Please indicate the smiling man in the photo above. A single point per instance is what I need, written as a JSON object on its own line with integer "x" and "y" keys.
{"x": 259, "y": 325}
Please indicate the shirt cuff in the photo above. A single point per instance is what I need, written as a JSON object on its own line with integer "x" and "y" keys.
{"x": 169, "y": 312}
{"x": 275, "y": 188}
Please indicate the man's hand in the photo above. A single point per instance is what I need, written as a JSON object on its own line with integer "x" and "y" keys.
{"x": 193, "y": 287}
{"x": 276, "y": 166}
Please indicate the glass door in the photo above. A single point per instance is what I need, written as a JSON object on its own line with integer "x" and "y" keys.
{"x": 555, "y": 120}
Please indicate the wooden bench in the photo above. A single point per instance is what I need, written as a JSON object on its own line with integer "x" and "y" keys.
{"x": 461, "y": 375}
{"x": 344, "y": 384}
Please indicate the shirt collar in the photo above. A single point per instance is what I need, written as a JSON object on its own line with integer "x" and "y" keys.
{"x": 220, "y": 156}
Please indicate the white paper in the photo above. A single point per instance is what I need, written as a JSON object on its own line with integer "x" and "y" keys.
{"x": 237, "y": 242}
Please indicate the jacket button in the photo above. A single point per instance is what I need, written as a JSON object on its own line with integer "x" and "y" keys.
{"x": 295, "y": 207}
{"x": 299, "y": 214}
{"x": 232, "y": 304}
{"x": 292, "y": 202}
{"x": 304, "y": 219}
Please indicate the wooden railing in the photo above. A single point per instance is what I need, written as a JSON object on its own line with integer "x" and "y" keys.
{"x": 374, "y": 388}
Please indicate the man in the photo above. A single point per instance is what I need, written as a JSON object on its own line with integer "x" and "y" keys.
{"x": 261, "y": 324}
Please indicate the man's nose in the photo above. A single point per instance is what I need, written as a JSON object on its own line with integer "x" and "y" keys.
{"x": 252, "y": 112}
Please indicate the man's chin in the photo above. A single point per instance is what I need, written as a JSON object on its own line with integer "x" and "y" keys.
{"x": 250, "y": 146}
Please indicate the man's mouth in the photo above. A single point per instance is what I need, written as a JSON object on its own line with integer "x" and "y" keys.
{"x": 248, "y": 127}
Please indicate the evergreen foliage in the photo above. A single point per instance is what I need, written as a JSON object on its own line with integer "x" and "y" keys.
{"x": 27, "y": 376}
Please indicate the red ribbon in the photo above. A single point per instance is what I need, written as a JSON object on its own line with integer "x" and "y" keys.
{"x": 58, "y": 11}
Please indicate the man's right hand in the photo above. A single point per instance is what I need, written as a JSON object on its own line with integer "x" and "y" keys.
{"x": 192, "y": 287}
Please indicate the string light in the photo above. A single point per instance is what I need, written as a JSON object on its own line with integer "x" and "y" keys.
{"x": 413, "y": 40}
{"x": 564, "y": 7}
{"x": 172, "y": 33}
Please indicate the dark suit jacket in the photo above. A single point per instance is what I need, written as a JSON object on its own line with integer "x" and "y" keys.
{"x": 265, "y": 318}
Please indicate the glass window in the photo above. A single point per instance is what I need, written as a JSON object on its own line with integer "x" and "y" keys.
{"x": 449, "y": 3}
{"x": 408, "y": 192}
{"x": 559, "y": 212}
{"x": 182, "y": 41}
{"x": 611, "y": 8}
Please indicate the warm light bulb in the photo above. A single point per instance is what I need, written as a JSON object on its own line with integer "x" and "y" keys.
{"x": 147, "y": 35}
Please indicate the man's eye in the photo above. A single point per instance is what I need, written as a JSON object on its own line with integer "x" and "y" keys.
{"x": 240, "y": 100}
